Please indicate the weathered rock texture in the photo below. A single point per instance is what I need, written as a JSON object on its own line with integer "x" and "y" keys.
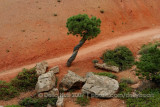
{"x": 60, "y": 102}
{"x": 71, "y": 80}
{"x": 55, "y": 69}
{"x": 100, "y": 86}
{"x": 46, "y": 82}
{"x": 41, "y": 68}
{"x": 107, "y": 67}
{"x": 52, "y": 93}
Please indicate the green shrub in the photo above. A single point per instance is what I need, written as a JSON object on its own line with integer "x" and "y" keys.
{"x": 146, "y": 47}
{"x": 23, "y": 30}
{"x": 127, "y": 80}
{"x": 55, "y": 14}
{"x": 121, "y": 57}
{"x": 7, "y": 51}
{"x": 124, "y": 89}
{"x": 150, "y": 99}
{"x": 95, "y": 61}
{"x": 82, "y": 100}
{"x": 149, "y": 65}
{"x": 153, "y": 100}
{"x": 108, "y": 74}
{"x": 25, "y": 80}
{"x": 102, "y": 11}
{"x": 7, "y": 91}
{"x": 37, "y": 102}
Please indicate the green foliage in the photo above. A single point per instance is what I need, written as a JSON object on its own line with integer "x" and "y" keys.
{"x": 108, "y": 74}
{"x": 146, "y": 47}
{"x": 102, "y": 11}
{"x": 153, "y": 100}
{"x": 149, "y": 65}
{"x": 83, "y": 26}
{"x": 37, "y": 102}
{"x": 95, "y": 61}
{"x": 124, "y": 89}
{"x": 82, "y": 100}
{"x": 121, "y": 57}
{"x": 7, "y": 91}
{"x": 145, "y": 98}
{"x": 54, "y": 14}
{"x": 127, "y": 80}
{"x": 25, "y": 80}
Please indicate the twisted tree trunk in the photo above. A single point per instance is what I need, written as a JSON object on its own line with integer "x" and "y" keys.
{"x": 75, "y": 51}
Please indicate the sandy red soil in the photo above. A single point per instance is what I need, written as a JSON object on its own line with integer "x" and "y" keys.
{"x": 29, "y": 33}
{"x": 83, "y": 64}
{"x": 87, "y": 54}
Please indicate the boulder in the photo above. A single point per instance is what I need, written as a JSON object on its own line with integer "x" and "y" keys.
{"x": 60, "y": 102}
{"x": 71, "y": 80}
{"x": 100, "y": 86}
{"x": 107, "y": 67}
{"x": 89, "y": 74}
{"x": 52, "y": 93}
{"x": 41, "y": 68}
{"x": 46, "y": 82}
{"x": 144, "y": 84}
{"x": 55, "y": 69}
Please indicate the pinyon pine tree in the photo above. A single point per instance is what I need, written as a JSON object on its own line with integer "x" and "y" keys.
{"x": 83, "y": 26}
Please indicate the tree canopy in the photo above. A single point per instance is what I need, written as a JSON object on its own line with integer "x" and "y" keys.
{"x": 83, "y": 26}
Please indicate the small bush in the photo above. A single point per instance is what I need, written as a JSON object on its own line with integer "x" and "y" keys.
{"x": 108, "y": 74}
{"x": 37, "y": 102}
{"x": 124, "y": 89}
{"x": 102, "y": 11}
{"x": 25, "y": 80}
{"x": 152, "y": 99}
{"x": 149, "y": 65}
{"x": 121, "y": 57}
{"x": 7, "y": 51}
{"x": 49, "y": 39}
{"x": 58, "y": 0}
{"x": 83, "y": 100}
{"x": 95, "y": 61}
{"x": 7, "y": 91}
{"x": 127, "y": 80}
{"x": 146, "y": 47}
{"x": 23, "y": 30}
{"x": 54, "y": 14}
